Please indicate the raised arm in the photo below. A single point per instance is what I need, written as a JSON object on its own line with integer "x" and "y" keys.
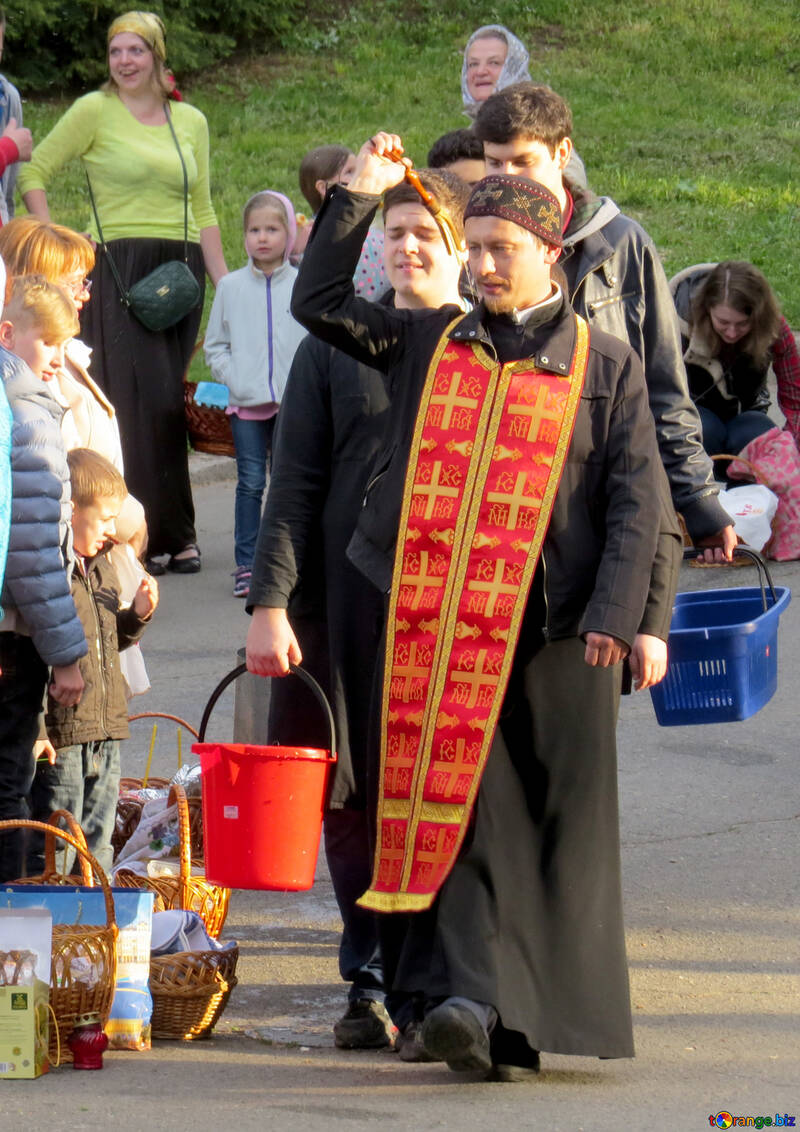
{"x": 324, "y": 299}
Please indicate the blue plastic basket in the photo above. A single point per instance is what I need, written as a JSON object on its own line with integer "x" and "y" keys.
{"x": 723, "y": 656}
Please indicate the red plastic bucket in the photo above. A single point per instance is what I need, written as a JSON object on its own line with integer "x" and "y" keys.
{"x": 263, "y": 806}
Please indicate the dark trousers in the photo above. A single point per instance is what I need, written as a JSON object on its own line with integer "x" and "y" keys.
{"x": 347, "y": 848}
{"x": 733, "y": 435}
{"x": 23, "y": 680}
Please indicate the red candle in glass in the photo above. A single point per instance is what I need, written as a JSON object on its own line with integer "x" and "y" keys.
{"x": 88, "y": 1042}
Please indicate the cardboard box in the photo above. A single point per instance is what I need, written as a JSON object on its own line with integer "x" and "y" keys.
{"x": 24, "y": 1030}
{"x": 25, "y": 944}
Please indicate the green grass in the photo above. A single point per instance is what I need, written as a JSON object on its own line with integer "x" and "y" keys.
{"x": 687, "y": 113}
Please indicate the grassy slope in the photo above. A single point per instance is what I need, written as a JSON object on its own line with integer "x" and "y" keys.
{"x": 686, "y": 112}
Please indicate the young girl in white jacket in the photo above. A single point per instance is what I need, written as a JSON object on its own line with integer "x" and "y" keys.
{"x": 249, "y": 346}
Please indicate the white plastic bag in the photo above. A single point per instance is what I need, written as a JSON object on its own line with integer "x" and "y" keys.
{"x": 752, "y": 508}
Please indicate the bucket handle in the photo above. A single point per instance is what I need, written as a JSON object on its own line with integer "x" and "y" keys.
{"x": 750, "y": 552}
{"x": 294, "y": 670}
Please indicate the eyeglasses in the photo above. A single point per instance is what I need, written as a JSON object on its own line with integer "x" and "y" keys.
{"x": 79, "y": 287}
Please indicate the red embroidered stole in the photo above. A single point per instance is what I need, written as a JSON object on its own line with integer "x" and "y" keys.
{"x": 489, "y": 447}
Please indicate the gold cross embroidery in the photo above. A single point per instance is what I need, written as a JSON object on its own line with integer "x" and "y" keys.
{"x": 409, "y": 672}
{"x": 396, "y": 763}
{"x": 495, "y": 587}
{"x": 454, "y": 769}
{"x": 451, "y": 400}
{"x": 477, "y": 678}
{"x": 421, "y": 581}
{"x": 434, "y": 856}
{"x": 515, "y": 500}
{"x": 536, "y": 413}
{"x": 433, "y": 490}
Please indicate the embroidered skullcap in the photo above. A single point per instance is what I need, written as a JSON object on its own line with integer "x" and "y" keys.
{"x": 521, "y": 201}
{"x": 147, "y": 25}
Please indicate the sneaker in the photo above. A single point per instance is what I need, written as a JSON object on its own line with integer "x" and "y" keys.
{"x": 408, "y": 1044}
{"x": 241, "y": 581}
{"x": 364, "y": 1025}
{"x": 452, "y": 1033}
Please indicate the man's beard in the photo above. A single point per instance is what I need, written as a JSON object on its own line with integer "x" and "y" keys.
{"x": 498, "y": 304}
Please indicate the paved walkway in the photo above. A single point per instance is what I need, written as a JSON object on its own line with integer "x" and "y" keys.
{"x": 711, "y": 825}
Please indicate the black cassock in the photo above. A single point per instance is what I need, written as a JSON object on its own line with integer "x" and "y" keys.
{"x": 530, "y": 918}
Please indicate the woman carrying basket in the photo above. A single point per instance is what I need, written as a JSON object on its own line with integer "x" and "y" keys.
{"x": 147, "y": 164}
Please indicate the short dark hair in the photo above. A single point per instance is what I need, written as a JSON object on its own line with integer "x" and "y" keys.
{"x": 320, "y": 164}
{"x": 458, "y": 145}
{"x": 527, "y": 110}
{"x": 449, "y": 191}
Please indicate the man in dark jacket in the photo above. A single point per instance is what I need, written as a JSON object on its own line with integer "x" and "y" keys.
{"x": 333, "y": 415}
{"x": 616, "y": 282}
{"x": 512, "y": 519}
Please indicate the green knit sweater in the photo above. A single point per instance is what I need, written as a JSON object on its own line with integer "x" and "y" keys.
{"x": 134, "y": 169}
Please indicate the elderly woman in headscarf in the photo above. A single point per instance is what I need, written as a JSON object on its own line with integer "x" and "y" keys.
{"x": 493, "y": 59}
{"x": 146, "y": 164}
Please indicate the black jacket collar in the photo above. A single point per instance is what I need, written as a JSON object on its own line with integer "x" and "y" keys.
{"x": 550, "y": 344}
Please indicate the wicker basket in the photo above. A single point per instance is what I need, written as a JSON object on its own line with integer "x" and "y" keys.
{"x": 129, "y": 810}
{"x": 96, "y": 944}
{"x": 51, "y": 875}
{"x": 190, "y": 991}
{"x": 185, "y": 891}
{"x": 209, "y": 427}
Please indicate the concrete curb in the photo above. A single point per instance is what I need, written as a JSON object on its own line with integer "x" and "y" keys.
{"x": 204, "y": 468}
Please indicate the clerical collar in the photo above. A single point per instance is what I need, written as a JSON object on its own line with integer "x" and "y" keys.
{"x": 542, "y": 310}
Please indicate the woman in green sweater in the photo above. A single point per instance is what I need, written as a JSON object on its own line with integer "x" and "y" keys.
{"x": 123, "y": 137}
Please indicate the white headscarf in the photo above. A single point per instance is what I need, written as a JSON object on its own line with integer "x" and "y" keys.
{"x": 515, "y": 68}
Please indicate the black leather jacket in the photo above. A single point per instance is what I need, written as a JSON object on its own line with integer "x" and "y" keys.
{"x": 617, "y": 283}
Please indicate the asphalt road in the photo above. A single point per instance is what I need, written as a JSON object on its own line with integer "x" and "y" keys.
{"x": 710, "y": 832}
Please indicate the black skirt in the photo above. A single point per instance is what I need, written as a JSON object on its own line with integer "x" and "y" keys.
{"x": 141, "y": 372}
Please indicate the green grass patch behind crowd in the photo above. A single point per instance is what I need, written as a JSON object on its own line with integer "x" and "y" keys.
{"x": 687, "y": 113}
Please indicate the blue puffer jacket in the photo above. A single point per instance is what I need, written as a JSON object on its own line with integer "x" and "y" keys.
{"x": 36, "y": 592}
{"x": 5, "y": 483}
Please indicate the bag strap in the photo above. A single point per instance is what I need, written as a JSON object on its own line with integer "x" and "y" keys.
{"x": 168, "y": 113}
{"x": 117, "y": 278}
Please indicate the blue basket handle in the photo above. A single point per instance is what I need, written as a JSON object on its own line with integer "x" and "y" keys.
{"x": 764, "y": 576}
{"x": 240, "y": 669}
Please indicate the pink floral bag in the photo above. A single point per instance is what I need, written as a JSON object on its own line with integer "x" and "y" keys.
{"x": 774, "y": 459}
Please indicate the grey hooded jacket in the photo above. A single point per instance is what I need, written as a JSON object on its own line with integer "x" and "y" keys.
{"x": 616, "y": 282}
{"x": 36, "y": 591}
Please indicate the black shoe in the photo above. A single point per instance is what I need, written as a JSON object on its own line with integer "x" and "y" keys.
{"x": 364, "y": 1025}
{"x": 452, "y": 1033}
{"x": 408, "y": 1044}
{"x": 514, "y": 1074}
{"x": 154, "y": 568}
{"x": 190, "y": 565}
{"x": 514, "y": 1060}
